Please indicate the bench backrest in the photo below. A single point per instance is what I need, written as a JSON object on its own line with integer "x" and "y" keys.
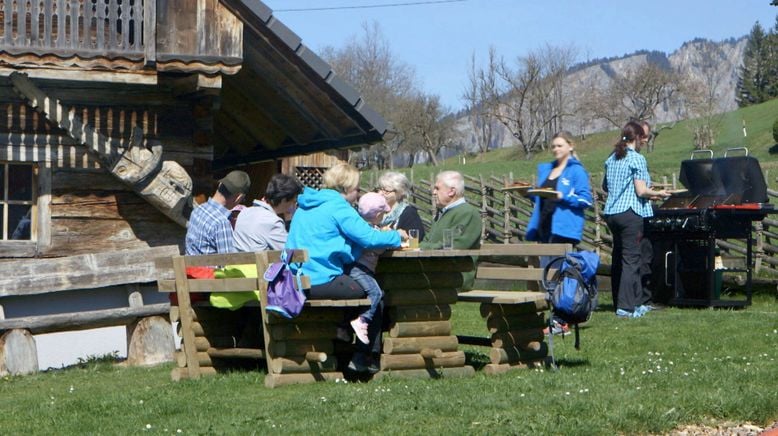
{"x": 516, "y": 262}
{"x": 262, "y": 259}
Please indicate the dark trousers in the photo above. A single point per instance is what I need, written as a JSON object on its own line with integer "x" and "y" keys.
{"x": 626, "y": 282}
{"x": 344, "y": 287}
{"x": 646, "y": 257}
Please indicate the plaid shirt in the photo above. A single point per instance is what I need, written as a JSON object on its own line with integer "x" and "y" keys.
{"x": 620, "y": 175}
{"x": 209, "y": 230}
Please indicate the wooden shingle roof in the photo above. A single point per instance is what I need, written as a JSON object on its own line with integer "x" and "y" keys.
{"x": 285, "y": 100}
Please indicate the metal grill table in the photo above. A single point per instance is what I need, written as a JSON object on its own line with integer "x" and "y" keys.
{"x": 725, "y": 196}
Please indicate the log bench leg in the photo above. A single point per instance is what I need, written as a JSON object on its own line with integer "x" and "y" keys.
{"x": 302, "y": 350}
{"x": 517, "y": 336}
{"x": 150, "y": 341}
{"x": 420, "y": 343}
{"x": 18, "y": 353}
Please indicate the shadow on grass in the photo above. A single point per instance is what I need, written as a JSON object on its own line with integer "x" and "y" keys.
{"x": 476, "y": 360}
{"x": 571, "y": 362}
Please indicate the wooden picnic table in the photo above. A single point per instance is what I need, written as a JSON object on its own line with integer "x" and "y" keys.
{"x": 419, "y": 288}
{"x": 421, "y": 285}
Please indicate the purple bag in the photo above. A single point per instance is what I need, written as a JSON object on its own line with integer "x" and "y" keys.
{"x": 283, "y": 297}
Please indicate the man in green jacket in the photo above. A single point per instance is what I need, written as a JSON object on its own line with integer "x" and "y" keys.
{"x": 453, "y": 213}
{"x": 456, "y": 214}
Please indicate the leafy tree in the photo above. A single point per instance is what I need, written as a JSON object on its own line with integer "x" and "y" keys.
{"x": 754, "y": 81}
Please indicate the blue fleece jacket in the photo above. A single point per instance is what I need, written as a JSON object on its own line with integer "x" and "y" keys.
{"x": 568, "y": 218}
{"x": 333, "y": 233}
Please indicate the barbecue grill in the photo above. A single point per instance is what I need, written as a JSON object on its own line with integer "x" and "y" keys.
{"x": 724, "y": 197}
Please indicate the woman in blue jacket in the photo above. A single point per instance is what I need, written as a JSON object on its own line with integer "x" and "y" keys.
{"x": 561, "y": 219}
{"x": 331, "y": 230}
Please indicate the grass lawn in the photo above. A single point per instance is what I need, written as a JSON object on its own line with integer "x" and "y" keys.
{"x": 650, "y": 375}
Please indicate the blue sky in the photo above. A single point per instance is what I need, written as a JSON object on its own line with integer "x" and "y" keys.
{"x": 438, "y": 39}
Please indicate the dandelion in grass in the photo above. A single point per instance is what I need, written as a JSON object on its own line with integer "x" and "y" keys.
{"x": 148, "y": 426}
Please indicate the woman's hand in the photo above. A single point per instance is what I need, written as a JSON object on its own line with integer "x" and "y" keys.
{"x": 659, "y": 195}
{"x": 403, "y": 234}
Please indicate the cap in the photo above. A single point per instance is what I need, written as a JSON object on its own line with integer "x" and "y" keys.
{"x": 237, "y": 182}
{"x": 371, "y": 204}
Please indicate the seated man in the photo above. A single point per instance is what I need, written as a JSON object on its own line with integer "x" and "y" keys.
{"x": 263, "y": 225}
{"x": 456, "y": 214}
{"x": 453, "y": 213}
{"x": 209, "y": 229}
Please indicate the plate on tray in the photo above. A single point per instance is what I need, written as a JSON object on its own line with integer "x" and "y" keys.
{"x": 543, "y": 193}
{"x": 519, "y": 187}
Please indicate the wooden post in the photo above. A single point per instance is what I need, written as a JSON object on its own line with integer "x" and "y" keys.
{"x": 484, "y": 205}
{"x": 506, "y": 217}
{"x": 18, "y": 353}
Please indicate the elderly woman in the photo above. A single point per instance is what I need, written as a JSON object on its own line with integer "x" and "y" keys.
{"x": 394, "y": 187}
{"x": 330, "y": 229}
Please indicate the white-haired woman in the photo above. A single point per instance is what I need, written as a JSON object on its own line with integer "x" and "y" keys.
{"x": 395, "y": 187}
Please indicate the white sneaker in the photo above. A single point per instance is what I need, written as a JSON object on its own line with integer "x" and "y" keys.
{"x": 360, "y": 328}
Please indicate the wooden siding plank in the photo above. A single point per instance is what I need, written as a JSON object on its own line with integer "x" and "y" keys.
{"x": 40, "y": 276}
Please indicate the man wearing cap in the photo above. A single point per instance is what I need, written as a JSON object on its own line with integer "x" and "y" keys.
{"x": 209, "y": 228}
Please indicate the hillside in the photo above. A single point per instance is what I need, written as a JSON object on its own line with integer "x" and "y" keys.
{"x": 672, "y": 146}
{"x": 699, "y": 60}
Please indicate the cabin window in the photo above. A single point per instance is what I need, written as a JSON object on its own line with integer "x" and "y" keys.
{"x": 19, "y": 201}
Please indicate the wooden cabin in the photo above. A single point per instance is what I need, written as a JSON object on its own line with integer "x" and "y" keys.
{"x": 116, "y": 114}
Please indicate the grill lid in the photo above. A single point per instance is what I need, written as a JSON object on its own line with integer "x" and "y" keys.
{"x": 733, "y": 180}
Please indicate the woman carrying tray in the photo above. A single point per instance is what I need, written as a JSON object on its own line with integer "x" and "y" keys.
{"x": 558, "y": 216}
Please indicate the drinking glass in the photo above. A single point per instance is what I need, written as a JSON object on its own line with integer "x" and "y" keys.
{"x": 413, "y": 238}
{"x": 448, "y": 239}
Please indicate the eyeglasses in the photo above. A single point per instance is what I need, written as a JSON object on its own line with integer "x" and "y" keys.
{"x": 388, "y": 191}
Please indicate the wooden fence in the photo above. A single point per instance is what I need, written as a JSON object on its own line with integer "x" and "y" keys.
{"x": 505, "y": 216}
{"x": 84, "y": 292}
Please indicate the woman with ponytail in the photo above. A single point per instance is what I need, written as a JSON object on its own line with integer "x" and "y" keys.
{"x": 628, "y": 185}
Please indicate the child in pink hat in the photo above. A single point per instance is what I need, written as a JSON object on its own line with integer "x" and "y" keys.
{"x": 372, "y": 207}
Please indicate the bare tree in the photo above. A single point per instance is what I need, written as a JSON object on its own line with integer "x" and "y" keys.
{"x": 432, "y": 127}
{"x": 477, "y": 103}
{"x": 387, "y": 84}
{"x": 527, "y": 99}
{"x": 636, "y": 94}
{"x": 703, "y": 95}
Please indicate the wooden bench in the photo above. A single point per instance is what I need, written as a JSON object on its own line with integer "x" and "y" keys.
{"x": 299, "y": 350}
{"x": 515, "y": 318}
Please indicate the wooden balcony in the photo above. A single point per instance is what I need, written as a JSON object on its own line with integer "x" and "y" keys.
{"x": 85, "y": 29}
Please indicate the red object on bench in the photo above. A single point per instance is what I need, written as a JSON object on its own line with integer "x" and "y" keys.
{"x": 196, "y": 272}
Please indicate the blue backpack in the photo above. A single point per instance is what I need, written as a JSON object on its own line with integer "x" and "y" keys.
{"x": 285, "y": 295}
{"x": 572, "y": 291}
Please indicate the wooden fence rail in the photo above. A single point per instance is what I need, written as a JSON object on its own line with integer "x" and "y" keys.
{"x": 505, "y": 217}
{"x": 84, "y": 292}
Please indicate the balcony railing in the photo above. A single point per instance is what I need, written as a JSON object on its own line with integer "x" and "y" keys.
{"x": 83, "y": 28}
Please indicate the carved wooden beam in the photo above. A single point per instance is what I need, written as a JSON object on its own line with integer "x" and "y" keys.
{"x": 165, "y": 185}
